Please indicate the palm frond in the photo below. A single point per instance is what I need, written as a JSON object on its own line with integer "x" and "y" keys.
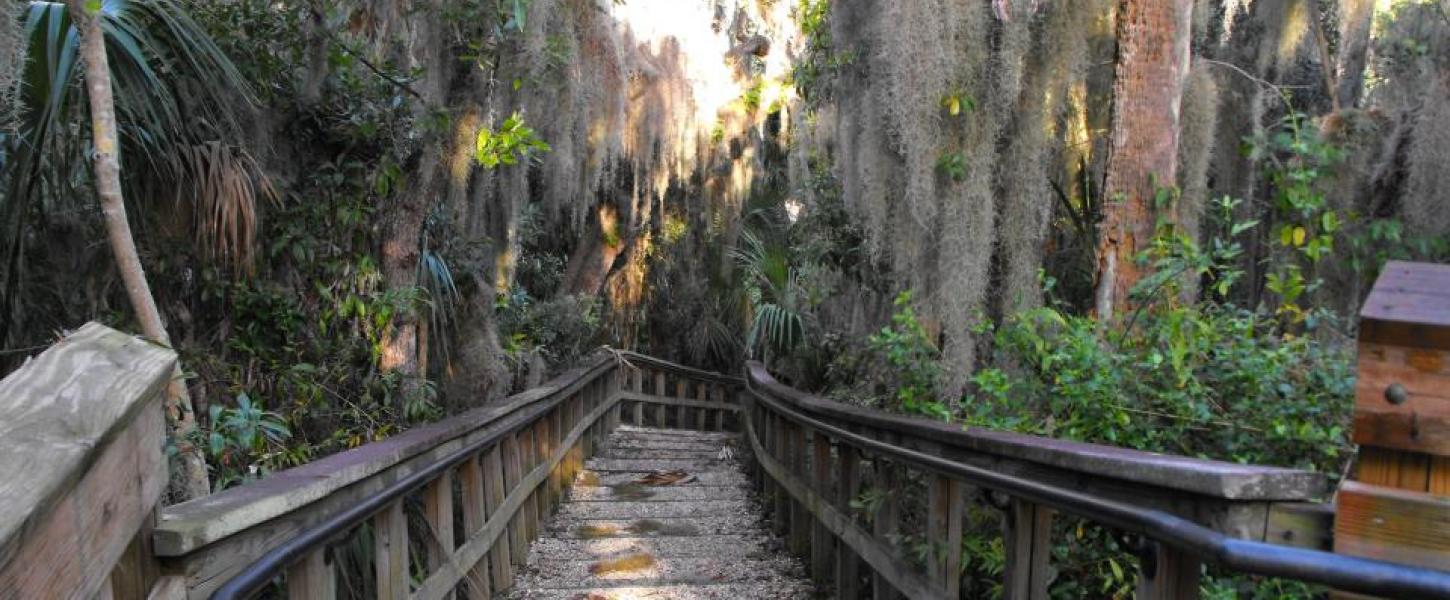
{"x": 222, "y": 182}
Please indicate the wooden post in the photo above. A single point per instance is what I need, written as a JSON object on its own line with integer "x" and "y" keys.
{"x": 1028, "y": 538}
{"x": 1168, "y": 574}
{"x": 681, "y": 392}
{"x": 475, "y": 500}
{"x": 781, "y": 453}
{"x": 438, "y": 510}
{"x": 848, "y": 565}
{"x": 524, "y": 443}
{"x": 886, "y": 521}
{"x": 660, "y": 393}
{"x": 312, "y": 578}
{"x": 702, "y": 394}
{"x": 1399, "y": 501}
{"x": 944, "y": 529}
{"x": 390, "y": 552}
{"x": 800, "y": 518}
{"x": 823, "y": 559}
{"x": 638, "y": 406}
{"x": 495, "y": 489}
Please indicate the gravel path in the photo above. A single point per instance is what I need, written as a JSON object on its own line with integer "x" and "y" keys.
{"x": 701, "y": 537}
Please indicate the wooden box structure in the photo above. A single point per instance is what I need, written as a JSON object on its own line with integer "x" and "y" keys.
{"x": 1398, "y": 506}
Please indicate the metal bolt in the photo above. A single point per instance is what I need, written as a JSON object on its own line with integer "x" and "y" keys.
{"x": 1397, "y": 394}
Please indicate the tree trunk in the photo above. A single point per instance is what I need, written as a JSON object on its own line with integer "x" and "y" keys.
{"x": 1153, "y": 52}
{"x": 1355, "y": 17}
{"x": 193, "y": 481}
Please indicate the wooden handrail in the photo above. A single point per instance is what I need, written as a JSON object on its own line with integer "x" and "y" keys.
{"x": 512, "y": 464}
{"x": 1124, "y": 490}
{"x": 81, "y": 465}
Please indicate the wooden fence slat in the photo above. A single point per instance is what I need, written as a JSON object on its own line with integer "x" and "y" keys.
{"x": 800, "y": 518}
{"x": 659, "y": 391}
{"x": 475, "y": 502}
{"x": 701, "y": 395}
{"x": 390, "y": 551}
{"x": 1028, "y": 538}
{"x": 1174, "y": 575}
{"x": 848, "y": 564}
{"x": 312, "y": 577}
{"x": 886, "y": 522}
{"x": 512, "y": 472}
{"x": 823, "y": 559}
{"x": 638, "y": 388}
{"x": 944, "y": 529}
{"x": 495, "y": 490}
{"x": 438, "y": 510}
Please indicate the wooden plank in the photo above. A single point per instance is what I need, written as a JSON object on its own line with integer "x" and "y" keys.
{"x": 1029, "y": 551}
{"x": 138, "y": 569}
{"x": 1172, "y": 575}
{"x": 68, "y": 547}
{"x": 1301, "y": 524}
{"x": 438, "y": 511}
{"x": 700, "y": 396}
{"x": 944, "y": 530}
{"x": 638, "y": 387}
{"x": 848, "y": 564}
{"x": 659, "y": 415}
{"x": 888, "y": 566}
{"x": 678, "y": 412}
{"x": 1402, "y": 398}
{"x": 1395, "y": 525}
{"x": 390, "y": 552}
{"x": 799, "y": 536}
{"x": 495, "y": 489}
{"x": 884, "y": 525}
{"x": 475, "y": 502}
{"x": 778, "y": 451}
{"x": 512, "y": 463}
{"x": 1409, "y": 305}
{"x": 823, "y": 559}
{"x": 59, "y": 414}
{"x": 527, "y": 453}
{"x": 312, "y": 577}
{"x": 652, "y": 399}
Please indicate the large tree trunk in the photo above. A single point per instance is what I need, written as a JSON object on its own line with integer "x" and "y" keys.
{"x": 1355, "y": 17}
{"x": 193, "y": 481}
{"x": 1153, "y": 52}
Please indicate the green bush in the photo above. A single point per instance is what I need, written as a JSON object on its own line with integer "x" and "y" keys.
{"x": 1208, "y": 381}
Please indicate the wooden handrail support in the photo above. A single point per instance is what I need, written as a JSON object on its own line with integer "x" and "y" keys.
{"x": 82, "y": 466}
{"x": 531, "y": 446}
{"x": 800, "y": 467}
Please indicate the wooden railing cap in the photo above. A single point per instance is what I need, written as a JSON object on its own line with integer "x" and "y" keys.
{"x": 59, "y": 409}
{"x": 185, "y": 527}
{"x": 1217, "y": 479}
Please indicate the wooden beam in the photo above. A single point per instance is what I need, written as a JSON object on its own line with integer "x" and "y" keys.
{"x": 313, "y": 578}
{"x": 390, "y": 552}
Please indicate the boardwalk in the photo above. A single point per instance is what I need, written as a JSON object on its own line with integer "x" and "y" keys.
{"x": 697, "y": 537}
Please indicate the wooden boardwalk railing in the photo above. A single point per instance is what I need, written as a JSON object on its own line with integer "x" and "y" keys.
{"x": 816, "y": 456}
{"x": 504, "y": 469}
{"x": 449, "y": 509}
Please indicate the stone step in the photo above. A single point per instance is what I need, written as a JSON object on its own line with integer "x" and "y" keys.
{"x": 738, "y": 524}
{"x": 650, "y": 493}
{"x": 731, "y": 545}
{"x": 604, "y": 465}
{"x": 657, "y": 453}
{"x": 785, "y": 589}
{"x": 652, "y": 510}
{"x": 630, "y": 431}
{"x": 703, "y": 478}
{"x": 670, "y": 443}
{"x": 647, "y": 569}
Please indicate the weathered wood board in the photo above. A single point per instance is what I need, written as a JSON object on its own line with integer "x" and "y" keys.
{"x": 83, "y": 430}
{"x": 1402, "y": 398}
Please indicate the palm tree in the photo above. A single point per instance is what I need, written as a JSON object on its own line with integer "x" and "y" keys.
{"x": 161, "y": 97}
